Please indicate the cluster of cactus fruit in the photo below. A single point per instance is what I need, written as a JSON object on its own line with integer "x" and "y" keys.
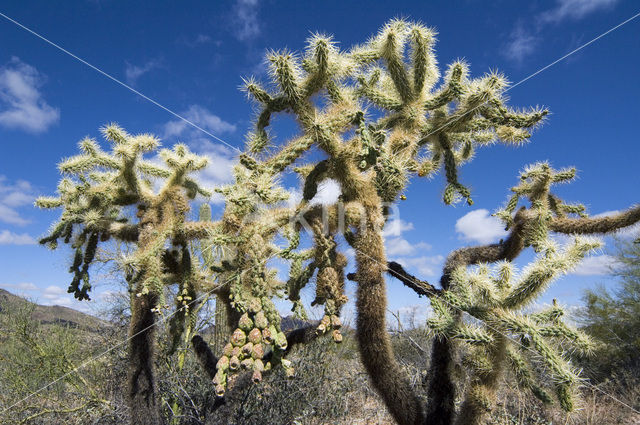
{"x": 379, "y": 117}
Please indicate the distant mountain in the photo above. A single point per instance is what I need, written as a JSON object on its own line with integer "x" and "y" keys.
{"x": 287, "y": 324}
{"x": 290, "y": 323}
{"x": 55, "y": 314}
{"x": 66, "y": 316}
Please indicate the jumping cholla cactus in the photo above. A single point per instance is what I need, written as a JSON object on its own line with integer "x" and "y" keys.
{"x": 378, "y": 120}
{"x": 107, "y": 196}
{"x": 495, "y": 296}
{"x": 379, "y": 116}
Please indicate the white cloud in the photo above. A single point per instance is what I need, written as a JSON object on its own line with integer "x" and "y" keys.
{"x": 203, "y": 38}
{"x": 425, "y": 266}
{"x": 479, "y": 226}
{"x": 395, "y": 228}
{"x": 52, "y": 292}
{"x": 55, "y": 295}
{"x": 133, "y": 72}
{"x": 596, "y": 265}
{"x": 221, "y": 162}
{"x": 245, "y": 19}
{"x": 12, "y": 197}
{"x": 23, "y": 286}
{"x": 201, "y": 117}
{"x": 65, "y": 301}
{"x": 221, "y": 157}
{"x": 21, "y": 103}
{"x": 10, "y": 238}
{"x": 198, "y": 40}
{"x": 575, "y": 9}
{"x": 51, "y": 295}
{"x": 328, "y": 192}
{"x": 400, "y": 246}
{"x": 521, "y": 44}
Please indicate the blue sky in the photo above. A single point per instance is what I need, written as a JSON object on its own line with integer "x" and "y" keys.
{"x": 190, "y": 57}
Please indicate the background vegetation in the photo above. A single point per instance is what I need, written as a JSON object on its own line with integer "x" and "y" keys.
{"x": 40, "y": 344}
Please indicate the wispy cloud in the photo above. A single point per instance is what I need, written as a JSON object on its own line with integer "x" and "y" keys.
{"x": 55, "y": 295}
{"x": 574, "y": 9}
{"x": 221, "y": 158}
{"x": 245, "y": 19}
{"x": 520, "y": 45}
{"x": 134, "y": 72}
{"x": 523, "y": 41}
{"x": 52, "y": 295}
{"x": 23, "y": 286}
{"x": 198, "y": 40}
{"x": 401, "y": 246}
{"x": 425, "y": 266}
{"x": 596, "y": 265}
{"x": 395, "y": 228}
{"x": 407, "y": 253}
{"x": 200, "y": 116}
{"x": 12, "y": 197}
{"x": 328, "y": 192}
{"x": 21, "y": 103}
{"x": 10, "y": 238}
{"x": 479, "y": 226}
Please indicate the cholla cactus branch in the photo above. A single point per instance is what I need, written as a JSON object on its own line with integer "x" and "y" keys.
{"x": 421, "y": 287}
{"x": 599, "y": 225}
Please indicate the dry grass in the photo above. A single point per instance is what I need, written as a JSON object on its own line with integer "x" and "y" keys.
{"x": 330, "y": 387}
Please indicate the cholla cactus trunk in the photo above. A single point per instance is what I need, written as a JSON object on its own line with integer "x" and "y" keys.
{"x": 373, "y": 338}
{"x": 224, "y": 322}
{"x": 224, "y": 316}
{"x": 480, "y": 396}
{"x": 144, "y": 403}
{"x": 441, "y": 393}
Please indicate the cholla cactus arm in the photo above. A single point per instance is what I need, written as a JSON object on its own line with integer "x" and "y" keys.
{"x": 494, "y": 299}
{"x": 597, "y": 225}
{"x": 524, "y": 376}
{"x": 543, "y": 271}
{"x": 421, "y": 287}
{"x": 550, "y": 213}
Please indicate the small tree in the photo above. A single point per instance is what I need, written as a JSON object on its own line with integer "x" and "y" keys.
{"x": 379, "y": 117}
{"x": 613, "y": 316}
